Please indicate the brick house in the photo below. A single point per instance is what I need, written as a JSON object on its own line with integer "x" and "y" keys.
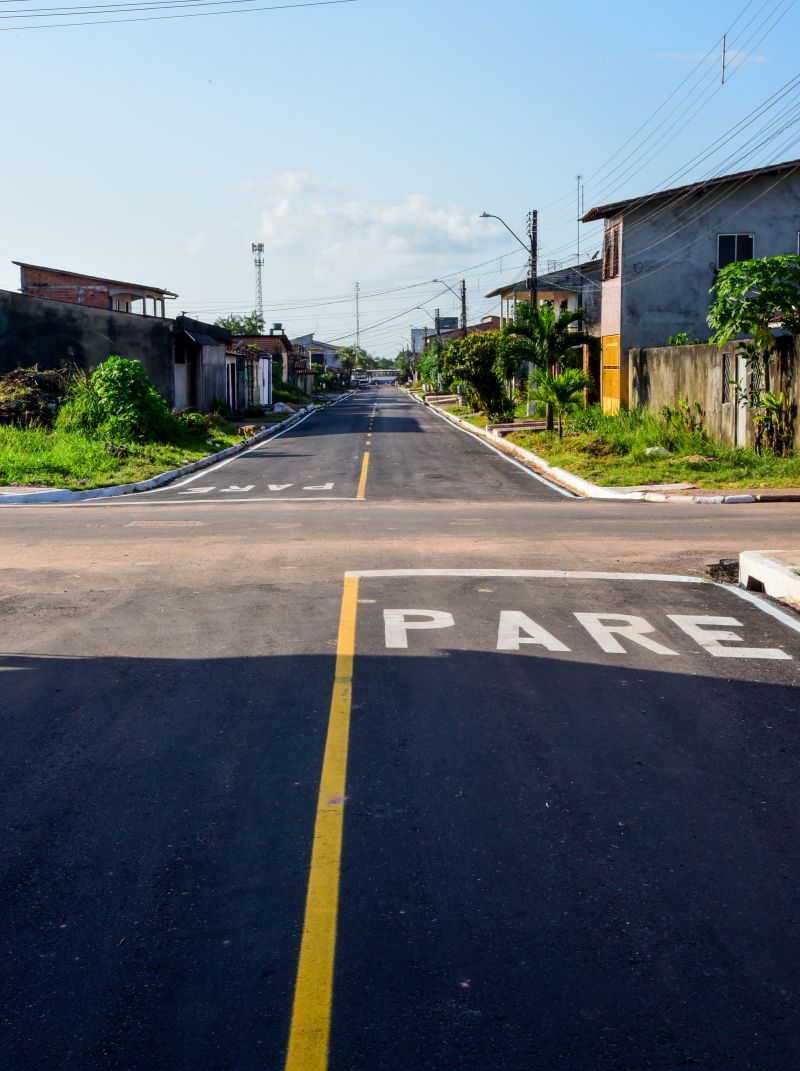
{"x": 92, "y": 290}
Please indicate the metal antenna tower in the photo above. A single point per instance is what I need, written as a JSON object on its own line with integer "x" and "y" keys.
{"x": 258, "y": 260}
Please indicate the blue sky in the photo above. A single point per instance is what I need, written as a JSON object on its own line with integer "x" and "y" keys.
{"x": 360, "y": 142}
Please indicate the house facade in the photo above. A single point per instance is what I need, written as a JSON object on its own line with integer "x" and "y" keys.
{"x": 572, "y": 287}
{"x": 316, "y": 352}
{"x": 662, "y": 253}
{"x": 250, "y": 359}
{"x": 93, "y": 290}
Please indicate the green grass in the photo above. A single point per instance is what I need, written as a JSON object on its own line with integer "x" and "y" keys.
{"x": 610, "y": 451}
{"x": 78, "y": 461}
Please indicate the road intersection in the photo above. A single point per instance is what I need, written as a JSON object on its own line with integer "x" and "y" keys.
{"x": 433, "y": 768}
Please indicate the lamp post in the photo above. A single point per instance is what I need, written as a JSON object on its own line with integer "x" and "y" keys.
{"x": 531, "y": 248}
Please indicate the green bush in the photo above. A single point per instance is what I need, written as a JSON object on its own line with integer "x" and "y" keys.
{"x": 120, "y": 403}
{"x": 194, "y": 423}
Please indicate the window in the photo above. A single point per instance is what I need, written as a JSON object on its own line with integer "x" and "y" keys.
{"x": 726, "y": 377}
{"x": 611, "y": 252}
{"x": 732, "y": 247}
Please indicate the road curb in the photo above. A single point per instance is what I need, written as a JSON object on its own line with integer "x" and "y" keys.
{"x": 772, "y": 571}
{"x": 587, "y": 489}
{"x": 60, "y": 495}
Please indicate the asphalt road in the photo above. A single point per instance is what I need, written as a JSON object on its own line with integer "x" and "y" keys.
{"x": 434, "y": 768}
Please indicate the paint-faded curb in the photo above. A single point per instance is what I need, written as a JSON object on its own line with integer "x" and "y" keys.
{"x": 587, "y": 489}
{"x": 62, "y": 495}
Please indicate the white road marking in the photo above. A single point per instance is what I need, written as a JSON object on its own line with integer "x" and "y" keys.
{"x": 516, "y": 628}
{"x": 711, "y": 638}
{"x": 279, "y": 486}
{"x": 319, "y": 487}
{"x": 235, "y": 457}
{"x": 534, "y": 574}
{"x": 233, "y": 488}
{"x": 397, "y": 624}
{"x": 197, "y": 491}
{"x": 766, "y": 607}
{"x": 755, "y": 600}
{"x": 604, "y": 627}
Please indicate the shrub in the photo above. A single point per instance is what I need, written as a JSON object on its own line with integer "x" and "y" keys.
{"x": 120, "y": 403}
{"x": 194, "y": 423}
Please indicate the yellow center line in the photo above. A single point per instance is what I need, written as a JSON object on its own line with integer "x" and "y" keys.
{"x": 362, "y": 483}
{"x": 311, "y": 1012}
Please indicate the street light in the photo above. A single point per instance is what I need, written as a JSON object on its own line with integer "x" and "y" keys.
{"x": 530, "y": 249}
{"x": 462, "y": 297}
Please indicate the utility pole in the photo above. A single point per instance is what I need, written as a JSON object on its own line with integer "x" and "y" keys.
{"x": 258, "y": 259}
{"x": 724, "y": 55}
{"x": 533, "y": 279}
{"x": 464, "y": 307}
{"x": 358, "y": 322}
{"x": 579, "y": 179}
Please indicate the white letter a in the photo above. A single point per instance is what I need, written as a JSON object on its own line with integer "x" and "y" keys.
{"x": 516, "y": 628}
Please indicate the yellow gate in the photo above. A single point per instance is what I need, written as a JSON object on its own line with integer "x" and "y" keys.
{"x": 613, "y": 392}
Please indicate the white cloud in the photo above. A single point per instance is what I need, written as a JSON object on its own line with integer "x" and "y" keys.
{"x": 309, "y": 218}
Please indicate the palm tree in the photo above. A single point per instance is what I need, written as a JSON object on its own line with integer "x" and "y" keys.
{"x": 562, "y": 393}
{"x": 543, "y": 337}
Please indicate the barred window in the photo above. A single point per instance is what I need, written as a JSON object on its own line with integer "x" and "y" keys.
{"x": 611, "y": 252}
{"x": 726, "y": 377}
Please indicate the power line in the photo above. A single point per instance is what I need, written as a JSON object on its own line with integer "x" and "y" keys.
{"x": 184, "y": 15}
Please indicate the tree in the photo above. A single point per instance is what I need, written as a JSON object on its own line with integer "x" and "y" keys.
{"x": 563, "y": 393}
{"x": 544, "y": 338}
{"x": 353, "y": 357}
{"x": 750, "y": 297}
{"x": 250, "y": 324}
{"x": 429, "y": 366}
{"x": 404, "y": 363}
{"x": 753, "y": 294}
{"x": 475, "y": 362}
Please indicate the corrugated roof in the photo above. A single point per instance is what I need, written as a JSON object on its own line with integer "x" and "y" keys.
{"x": 614, "y": 209}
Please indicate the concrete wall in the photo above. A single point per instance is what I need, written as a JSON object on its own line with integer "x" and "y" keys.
{"x": 669, "y": 261}
{"x": 660, "y": 376}
{"x": 49, "y": 333}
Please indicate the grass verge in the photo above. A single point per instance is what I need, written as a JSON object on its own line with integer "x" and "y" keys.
{"x": 78, "y": 461}
{"x": 610, "y": 450}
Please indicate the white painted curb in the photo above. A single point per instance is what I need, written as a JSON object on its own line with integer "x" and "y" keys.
{"x": 763, "y": 570}
{"x": 582, "y": 487}
{"x": 60, "y": 495}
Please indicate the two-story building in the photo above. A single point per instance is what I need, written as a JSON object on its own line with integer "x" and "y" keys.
{"x": 662, "y": 252}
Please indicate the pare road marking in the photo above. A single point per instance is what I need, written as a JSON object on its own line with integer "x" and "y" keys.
{"x": 279, "y": 486}
{"x": 197, "y": 491}
{"x": 319, "y": 487}
{"x": 233, "y": 488}
{"x": 613, "y": 633}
